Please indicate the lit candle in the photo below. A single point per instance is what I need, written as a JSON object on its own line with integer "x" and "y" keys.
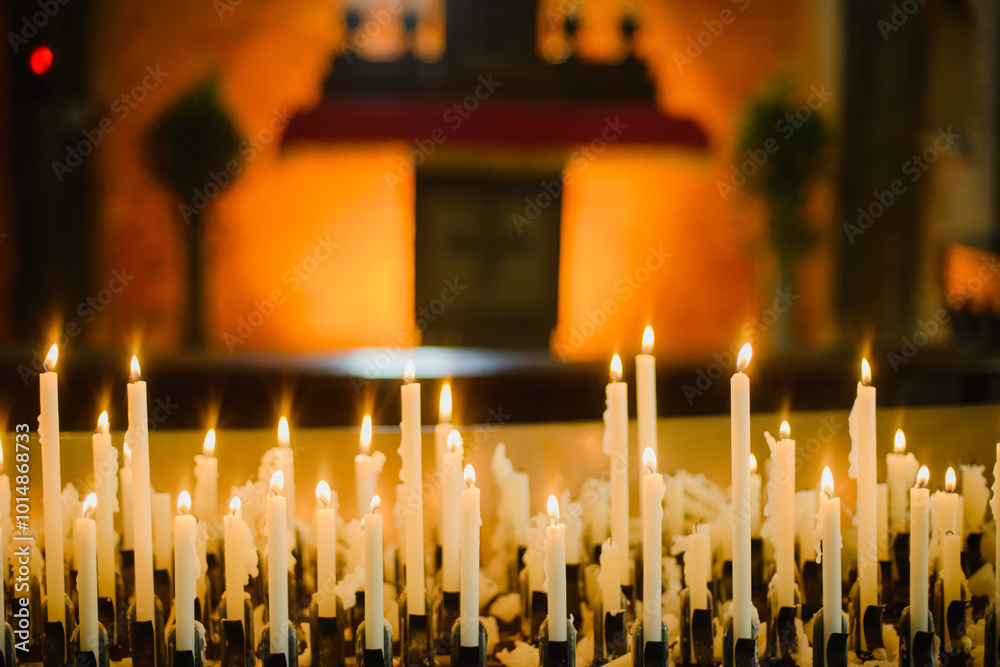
{"x": 471, "y": 522}
{"x": 951, "y": 575}
{"x": 755, "y": 486}
{"x": 285, "y": 460}
{"x": 781, "y": 501}
{"x": 829, "y": 513}
{"x": 414, "y": 509}
{"x": 652, "y": 549}
{"x": 919, "y": 557}
{"x": 616, "y": 445}
{"x": 106, "y": 490}
{"x": 187, "y": 570}
{"x": 241, "y": 559}
{"x": 277, "y": 566}
{"x": 805, "y": 514}
{"x": 901, "y": 469}
{"x": 367, "y": 466}
{"x": 326, "y": 552}
{"x": 555, "y": 573}
{"x": 451, "y": 491}
{"x": 161, "y": 531}
{"x": 610, "y": 577}
{"x": 374, "y": 623}
{"x": 48, "y": 435}
{"x": 740, "y": 436}
{"x": 142, "y": 514}
{"x": 128, "y": 520}
{"x": 206, "y": 482}
{"x": 863, "y": 425}
{"x": 645, "y": 394}
{"x": 85, "y": 540}
{"x": 944, "y": 513}
{"x": 441, "y": 432}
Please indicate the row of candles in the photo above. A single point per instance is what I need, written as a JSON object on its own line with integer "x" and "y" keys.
{"x": 461, "y": 517}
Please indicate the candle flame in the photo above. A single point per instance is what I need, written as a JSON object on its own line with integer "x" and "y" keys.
{"x": 649, "y": 460}
{"x": 744, "y": 357}
{"x": 470, "y": 475}
{"x": 616, "y": 368}
{"x": 866, "y": 373}
{"x": 128, "y": 453}
{"x": 89, "y": 505}
{"x": 409, "y": 371}
{"x": 208, "y": 449}
{"x": 375, "y": 504}
{"x": 235, "y": 504}
{"x": 102, "y": 423}
{"x": 134, "y": 375}
{"x": 366, "y": 434}
{"x": 949, "y": 480}
{"x": 51, "y": 358}
{"x": 827, "y": 482}
{"x": 647, "y": 340}
{"x": 184, "y": 502}
{"x": 323, "y": 492}
{"x": 899, "y": 444}
{"x": 444, "y": 404}
{"x": 283, "y": 435}
{"x": 277, "y": 482}
{"x": 923, "y": 477}
{"x": 753, "y": 463}
{"x": 784, "y": 431}
{"x": 553, "y": 508}
{"x": 454, "y": 442}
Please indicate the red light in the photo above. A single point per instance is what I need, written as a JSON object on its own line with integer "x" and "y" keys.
{"x": 40, "y": 60}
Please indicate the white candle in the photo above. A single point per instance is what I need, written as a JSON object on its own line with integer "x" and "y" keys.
{"x": 945, "y": 513}
{"x": 451, "y": 491}
{"x": 367, "y": 466}
{"x": 142, "y": 515}
{"x": 48, "y": 435}
{"x": 85, "y": 541}
{"x": 882, "y": 521}
{"x": 696, "y": 560}
{"x": 574, "y": 531}
{"x": 901, "y": 469}
{"x": 951, "y": 574}
{"x": 867, "y": 510}
{"x": 471, "y": 521}
{"x": 674, "y": 495}
{"x": 187, "y": 570}
{"x": 805, "y": 512}
{"x": 128, "y": 520}
{"x": 374, "y": 623}
{"x": 326, "y": 552}
{"x": 652, "y": 549}
{"x": 755, "y": 486}
{"x": 277, "y": 566}
{"x": 611, "y": 577}
{"x": 830, "y": 529}
{"x": 555, "y": 573}
{"x": 781, "y": 500}
{"x": 616, "y": 443}
{"x": 399, "y": 513}
{"x": 520, "y": 510}
{"x": 596, "y": 505}
{"x": 975, "y": 497}
{"x": 414, "y": 509}
{"x": 645, "y": 394}
{"x": 241, "y": 559}
{"x": 106, "y": 490}
{"x": 919, "y": 557}
{"x": 285, "y": 460}
{"x": 161, "y": 531}
{"x": 740, "y": 436}
{"x": 441, "y": 432}
{"x": 534, "y": 555}
{"x": 206, "y": 482}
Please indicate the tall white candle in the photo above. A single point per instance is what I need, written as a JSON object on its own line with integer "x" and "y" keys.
{"x": 161, "y": 531}
{"x": 142, "y": 514}
{"x": 830, "y": 530}
{"x": 945, "y": 515}
{"x": 652, "y": 549}
{"x": 206, "y": 482}
{"x": 441, "y": 432}
{"x": 326, "y": 552}
{"x": 48, "y": 435}
{"x": 781, "y": 500}
{"x": 610, "y": 576}
{"x": 367, "y": 466}
{"x": 128, "y": 518}
{"x": 277, "y": 566}
{"x": 471, "y": 521}
{"x": 285, "y": 461}
{"x": 241, "y": 559}
{"x": 555, "y": 573}
{"x": 374, "y": 622}
{"x": 805, "y": 514}
{"x": 755, "y": 486}
{"x": 106, "y": 490}
{"x": 645, "y": 395}
{"x": 616, "y": 442}
{"x": 451, "y": 491}
{"x": 412, "y": 478}
{"x": 951, "y": 574}
{"x": 85, "y": 541}
{"x": 187, "y": 570}
{"x": 867, "y": 510}
{"x": 740, "y": 436}
{"x": 901, "y": 469}
{"x": 919, "y": 556}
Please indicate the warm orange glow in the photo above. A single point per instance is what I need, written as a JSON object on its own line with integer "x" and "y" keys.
{"x": 827, "y": 482}
{"x": 277, "y": 482}
{"x": 950, "y": 480}
{"x": 134, "y": 375}
{"x": 470, "y": 475}
{"x": 899, "y": 444}
{"x": 866, "y": 373}
{"x": 323, "y": 493}
{"x": 923, "y": 477}
{"x": 444, "y": 404}
{"x": 553, "y": 508}
{"x": 89, "y": 504}
{"x": 208, "y": 449}
{"x": 616, "y": 368}
{"x": 649, "y": 460}
{"x": 744, "y": 357}
{"x": 366, "y": 435}
{"x": 184, "y": 502}
{"x": 102, "y": 423}
{"x": 454, "y": 441}
{"x": 647, "y": 340}
{"x": 235, "y": 504}
{"x": 51, "y": 358}
{"x": 753, "y": 463}
{"x": 283, "y": 434}
{"x": 409, "y": 372}
{"x": 785, "y": 430}
{"x": 375, "y": 504}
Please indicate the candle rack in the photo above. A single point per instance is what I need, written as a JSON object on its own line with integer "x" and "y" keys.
{"x": 467, "y": 656}
{"x": 447, "y": 611}
{"x": 56, "y": 635}
{"x": 367, "y": 657}
{"x": 235, "y": 643}
{"x": 189, "y": 658}
{"x": 835, "y": 652}
{"x": 782, "y": 634}
{"x": 740, "y": 652}
{"x": 610, "y": 633}
{"x": 417, "y": 635}
{"x": 865, "y": 626}
{"x": 557, "y": 653}
{"x": 991, "y": 657}
{"x": 921, "y": 647}
{"x": 87, "y": 658}
{"x": 952, "y": 624}
{"x": 652, "y": 653}
{"x": 146, "y": 639}
{"x": 269, "y": 659}
{"x": 697, "y": 632}
{"x": 326, "y": 635}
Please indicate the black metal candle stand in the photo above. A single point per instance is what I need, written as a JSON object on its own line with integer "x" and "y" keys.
{"x": 557, "y": 653}
{"x": 534, "y": 607}
{"x": 782, "y": 635}
{"x": 236, "y": 646}
{"x": 991, "y": 656}
{"x": 326, "y": 635}
{"x": 189, "y": 658}
{"x": 446, "y": 611}
{"x": 468, "y": 656}
{"x": 269, "y": 659}
{"x": 56, "y": 647}
{"x": 811, "y": 587}
{"x": 921, "y": 648}
{"x": 610, "y": 633}
{"x": 377, "y": 657}
{"x": 416, "y": 631}
{"x": 952, "y": 624}
{"x": 574, "y": 593}
{"x": 697, "y": 632}
{"x": 87, "y": 658}
{"x": 652, "y": 653}
{"x": 865, "y": 626}
{"x": 741, "y": 652}
{"x": 9, "y": 656}
{"x": 146, "y": 638}
{"x": 833, "y": 654}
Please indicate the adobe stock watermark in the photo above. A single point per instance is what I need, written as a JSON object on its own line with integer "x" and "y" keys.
{"x": 725, "y": 362}
{"x": 578, "y": 161}
{"x": 785, "y": 128}
{"x": 121, "y": 107}
{"x": 624, "y": 289}
{"x": 695, "y": 45}
{"x": 915, "y": 167}
{"x": 32, "y": 23}
{"x": 453, "y": 117}
{"x": 898, "y": 17}
{"x": 217, "y": 181}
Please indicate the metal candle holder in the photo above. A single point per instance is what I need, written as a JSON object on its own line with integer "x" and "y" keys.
{"x": 87, "y": 658}
{"x": 56, "y": 648}
{"x": 866, "y": 624}
{"x": 649, "y": 654}
{"x": 610, "y": 633}
{"x": 235, "y": 641}
{"x": 149, "y": 645}
{"x": 467, "y": 656}
{"x": 269, "y": 659}
{"x": 740, "y": 652}
{"x": 326, "y": 636}
{"x": 447, "y": 611}
{"x": 417, "y": 640}
{"x": 921, "y": 648}
{"x": 697, "y": 632}
{"x": 557, "y": 654}
{"x": 195, "y": 658}
{"x": 952, "y": 624}
{"x": 782, "y": 635}
{"x": 367, "y": 657}
{"x": 834, "y": 654}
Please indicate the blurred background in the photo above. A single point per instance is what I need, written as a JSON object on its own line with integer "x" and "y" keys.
{"x": 271, "y": 201}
